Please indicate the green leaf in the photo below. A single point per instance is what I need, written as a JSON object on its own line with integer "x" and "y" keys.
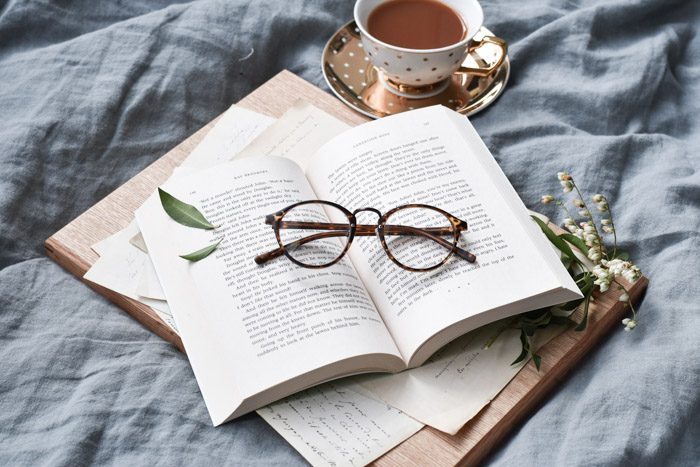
{"x": 575, "y": 241}
{"x": 529, "y": 329}
{"x": 540, "y": 321}
{"x": 183, "y": 213}
{"x": 524, "y": 353}
{"x": 521, "y": 357}
{"x": 200, "y": 254}
{"x": 584, "y": 281}
{"x": 535, "y": 315}
{"x": 567, "y": 263}
{"x": 572, "y": 305}
{"x": 623, "y": 255}
{"x": 556, "y": 241}
{"x": 584, "y": 321}
{"x": 538, "y": 360}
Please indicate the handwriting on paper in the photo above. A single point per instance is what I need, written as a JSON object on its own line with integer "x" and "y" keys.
{"x": 338, "y": 424}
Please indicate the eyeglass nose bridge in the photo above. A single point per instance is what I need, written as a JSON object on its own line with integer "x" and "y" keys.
{"x": 375, "y": 211}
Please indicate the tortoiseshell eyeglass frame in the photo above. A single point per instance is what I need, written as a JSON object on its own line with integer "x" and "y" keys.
{"x": 277, "y": 222}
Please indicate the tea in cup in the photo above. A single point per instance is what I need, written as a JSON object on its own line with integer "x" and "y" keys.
{"x": 418, "y": 44}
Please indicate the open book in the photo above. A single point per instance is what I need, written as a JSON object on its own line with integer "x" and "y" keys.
{"x": 256, "y": 333}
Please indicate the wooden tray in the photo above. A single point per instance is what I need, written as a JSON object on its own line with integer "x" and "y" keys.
{"x": 71, "y": 248}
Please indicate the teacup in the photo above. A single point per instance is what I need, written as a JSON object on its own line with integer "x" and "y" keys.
{"x": 424, "y": 73}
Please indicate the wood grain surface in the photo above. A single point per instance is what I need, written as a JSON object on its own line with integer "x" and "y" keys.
{"x": 71, "y": 248}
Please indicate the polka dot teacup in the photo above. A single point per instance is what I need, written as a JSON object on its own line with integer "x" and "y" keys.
{"x": 417, "y": 68}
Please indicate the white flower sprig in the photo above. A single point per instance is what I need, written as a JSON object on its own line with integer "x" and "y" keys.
{"x": 607, "y": 265}
{"x": 593, "y": 266}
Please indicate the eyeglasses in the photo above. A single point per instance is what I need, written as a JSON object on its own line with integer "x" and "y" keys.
{"x": 416, "y": 237}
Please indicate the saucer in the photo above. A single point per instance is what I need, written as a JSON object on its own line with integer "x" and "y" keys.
{"x": 360, "y": 85}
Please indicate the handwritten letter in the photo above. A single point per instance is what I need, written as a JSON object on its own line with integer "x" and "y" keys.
{"x": 338, "y": 424}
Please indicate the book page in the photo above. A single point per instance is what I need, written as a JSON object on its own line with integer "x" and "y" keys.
{"x": 339, "y": 424}
{"x": 260, "y": 326}
{"x": 422, "y": 157}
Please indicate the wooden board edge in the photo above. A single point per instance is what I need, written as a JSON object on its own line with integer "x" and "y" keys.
{"x": 140, "y": 312}
{"x": 64, "y": 257}
{"x": 552, "y": 376}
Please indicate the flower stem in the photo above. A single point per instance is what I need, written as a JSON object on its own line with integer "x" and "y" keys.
{"x": 612, "y": 225}
{"x": 500, "y": 330}
{"x": 566, "y": 210}
{"x": 629, "y": 299}
{"x": 590, "y": 217}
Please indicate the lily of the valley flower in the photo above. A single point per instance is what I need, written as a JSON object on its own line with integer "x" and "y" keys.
{"x": 616, "y": 266}
{"x": 595, "y": 256}
{"x": 607, "y": 271}
{"x": 629, "y": 324}
{"x": 632, "y": 273}
{"x": 603, "y": 278}
{"x": 601, "y": 203}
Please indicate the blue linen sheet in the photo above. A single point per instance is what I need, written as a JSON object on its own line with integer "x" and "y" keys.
{"x": 92, "y": 92}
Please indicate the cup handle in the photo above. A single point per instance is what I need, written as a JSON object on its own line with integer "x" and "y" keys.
{"x": 494, "y": 66}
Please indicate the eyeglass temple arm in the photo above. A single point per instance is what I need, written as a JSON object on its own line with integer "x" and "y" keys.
{"x": 340, "y": 230}
{"x": 430, "y": 233}
{"x": 265, "y": 257}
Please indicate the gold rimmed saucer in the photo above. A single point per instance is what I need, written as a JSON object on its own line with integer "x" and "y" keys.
{"x": 353, "y": 78}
